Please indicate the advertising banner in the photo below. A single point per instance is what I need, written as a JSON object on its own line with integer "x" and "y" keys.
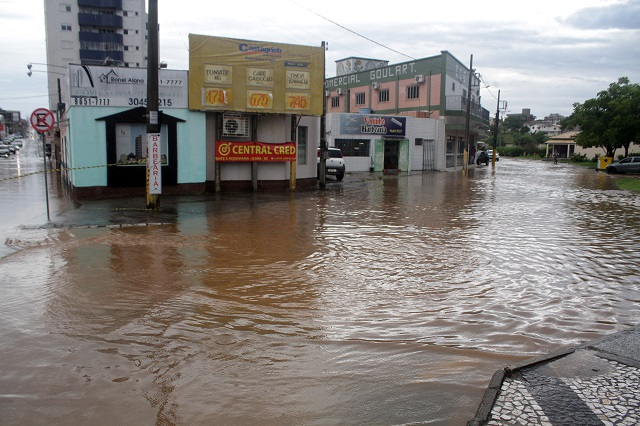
{"x": 125, "y": 87}
{"x": 154, "y": 163}
{"x": 368, "y": 124}
{"x": 255, "y": 151}
{"x": 255, "y": 76}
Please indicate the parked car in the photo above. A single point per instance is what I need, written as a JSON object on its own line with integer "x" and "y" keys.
{"x": 4, "y": 151}
{"x": 482, "y": 157}
{"x": 335, "y": 163}
{"x": 490, "y": 154}
{"x": 626, "y": 165}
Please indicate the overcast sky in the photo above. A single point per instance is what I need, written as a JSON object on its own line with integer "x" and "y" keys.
{"x": 543, "y": 55}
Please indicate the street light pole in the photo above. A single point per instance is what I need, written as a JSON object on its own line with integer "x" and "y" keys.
{"x": 46, "y": 184}
{"x": 467, "y": 119}
{"x": 495, "y": 136}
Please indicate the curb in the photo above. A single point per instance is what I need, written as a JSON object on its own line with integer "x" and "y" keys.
{"x": 492, "y": 392}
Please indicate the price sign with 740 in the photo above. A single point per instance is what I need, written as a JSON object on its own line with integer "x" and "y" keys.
{"x": 298, "y": 101}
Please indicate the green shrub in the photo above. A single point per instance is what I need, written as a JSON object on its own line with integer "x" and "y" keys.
{"x": 511, "y": 151}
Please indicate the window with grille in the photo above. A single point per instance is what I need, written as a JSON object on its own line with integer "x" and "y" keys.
{"x": 353, "y": 147}
{"x": 335, "y": 102}
{"x": 413, "y": 92}
{"x": 360, "y": 99}
{"x": 383, "y": 95}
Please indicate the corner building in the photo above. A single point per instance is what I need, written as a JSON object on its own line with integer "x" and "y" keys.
{"x": 404, "y": 117}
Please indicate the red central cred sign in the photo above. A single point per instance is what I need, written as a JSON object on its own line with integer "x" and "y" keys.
{"x": 255, "y": 151}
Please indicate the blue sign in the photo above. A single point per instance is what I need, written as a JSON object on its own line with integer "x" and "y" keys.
{"x": 372, "y": 124}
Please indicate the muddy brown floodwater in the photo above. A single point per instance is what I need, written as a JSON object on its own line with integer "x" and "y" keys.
{"x": 378, "y": 301}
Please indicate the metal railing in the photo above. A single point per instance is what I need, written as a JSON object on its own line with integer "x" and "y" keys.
{"x": 459, "y": 103}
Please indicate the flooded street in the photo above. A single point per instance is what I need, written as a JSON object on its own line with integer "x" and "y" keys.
{"x": 378, "y": 301}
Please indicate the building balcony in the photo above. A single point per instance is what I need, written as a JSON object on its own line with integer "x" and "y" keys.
{"x": 90, "y": 37}
{"x": 101, "y": 4}
{"x": 98, "y": 56}
{"x": 105, "y": 21}
{"x": 459, "y": 104}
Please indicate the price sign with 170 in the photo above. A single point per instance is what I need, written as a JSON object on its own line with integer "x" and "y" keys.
{"x": 217, "y": 97}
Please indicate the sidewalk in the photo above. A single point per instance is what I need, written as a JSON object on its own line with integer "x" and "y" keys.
{"x": 597, "y": 383}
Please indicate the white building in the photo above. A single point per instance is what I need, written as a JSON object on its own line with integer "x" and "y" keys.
{"x": 548, "y": 129}
{"x": 385, "y": 143}
{"x": 93, "y": 32}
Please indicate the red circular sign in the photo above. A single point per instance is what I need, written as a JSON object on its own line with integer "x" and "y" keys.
{"x": 42, "y": 120}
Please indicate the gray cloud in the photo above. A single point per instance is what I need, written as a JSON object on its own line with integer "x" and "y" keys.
{"x": 624, "y": 16}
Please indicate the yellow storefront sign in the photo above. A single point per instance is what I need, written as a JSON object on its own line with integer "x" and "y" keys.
{"x": 270, "y": 77}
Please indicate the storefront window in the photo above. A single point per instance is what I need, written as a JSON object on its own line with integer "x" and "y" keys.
{"x": 303, "y": 132}
{"x": 353, "y": 147}
{"x": 131, "y": 144}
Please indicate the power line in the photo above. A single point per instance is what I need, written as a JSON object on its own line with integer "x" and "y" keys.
{"x": 351, "y": 31}
{"x": 486, "y": 86}
{"x": 25, "y": 97}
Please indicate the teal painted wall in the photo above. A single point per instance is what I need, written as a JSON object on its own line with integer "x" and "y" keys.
{"x": 87, "y": 145}
{"x": 192, "y": 146}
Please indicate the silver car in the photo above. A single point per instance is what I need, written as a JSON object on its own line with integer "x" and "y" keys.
{"x": 626, "y": 165}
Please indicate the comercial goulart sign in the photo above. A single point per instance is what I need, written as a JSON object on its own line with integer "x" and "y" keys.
{"x": 255, "y": 151}
{"x": 370, "y": 124}
{"x": 255, "y": 76}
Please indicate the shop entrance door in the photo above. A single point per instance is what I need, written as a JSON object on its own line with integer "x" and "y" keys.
{"x": 391, "y": 154}
{"x": 428, "y": 154}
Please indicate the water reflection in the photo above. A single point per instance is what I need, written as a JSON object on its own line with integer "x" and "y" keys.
{"x": 377, "y": 301}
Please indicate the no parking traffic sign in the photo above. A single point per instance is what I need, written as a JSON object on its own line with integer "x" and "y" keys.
{"x": 42, "y": 120}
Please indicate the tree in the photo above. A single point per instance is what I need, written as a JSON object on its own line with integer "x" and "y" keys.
{"x": 515, "y": 123}
{"x": 611, "y": 120}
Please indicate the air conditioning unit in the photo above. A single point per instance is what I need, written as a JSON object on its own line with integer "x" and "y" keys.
{"x": 419, "y": 78}
{"x": 327, "y": 93}
{"x": 236, "y": 125}
{"x": 375, "y": 85}
{"x": 340, "y": 91}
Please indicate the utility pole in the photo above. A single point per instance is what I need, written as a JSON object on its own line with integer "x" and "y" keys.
{"x": 154, "y": 162}
{"x": 322, "y": 172}
{"x": 467, "y": 136}
{"x": 495, "y": 135}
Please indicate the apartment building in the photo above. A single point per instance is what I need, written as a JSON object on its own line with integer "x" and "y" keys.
{"x": 416, "y": 115}
{"x": 93, "y": 32}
